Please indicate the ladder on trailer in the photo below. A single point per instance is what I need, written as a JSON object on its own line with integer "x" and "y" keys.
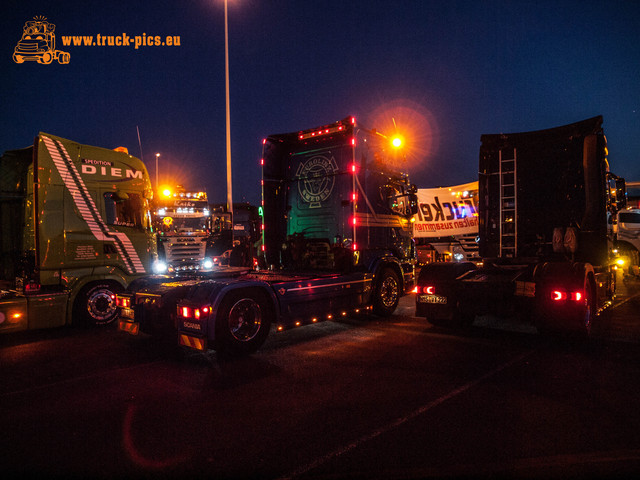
{"x": 508, "y": 204}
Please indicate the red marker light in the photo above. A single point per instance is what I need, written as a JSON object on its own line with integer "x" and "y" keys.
{"x": 122, "y": 302}
{"x": 558, "y": 295}
{"x": 429, "y": 290}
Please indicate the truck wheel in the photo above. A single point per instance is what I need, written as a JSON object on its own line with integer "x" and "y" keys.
{"x": 96, "y": 304}
{"x": 47, "y": 58}
{"x": 387, "y": 293}
{"x": 63, "y": 57}
{"x": 243, "y": 322}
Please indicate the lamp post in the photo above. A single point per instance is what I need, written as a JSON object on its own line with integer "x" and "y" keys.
{"x": 157, "y": 155}
{"x": 226, "y": 74}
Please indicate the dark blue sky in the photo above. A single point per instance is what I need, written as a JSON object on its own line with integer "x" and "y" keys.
{"x": 445, "y": 71}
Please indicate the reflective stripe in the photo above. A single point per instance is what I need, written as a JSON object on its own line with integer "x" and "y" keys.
{"x": 87, "y": 207}
{"x": 192, "y": 342}
{"x": 129, "y": 327}
{"x": 369, "y": 220}
{"x": 314, "y": 287}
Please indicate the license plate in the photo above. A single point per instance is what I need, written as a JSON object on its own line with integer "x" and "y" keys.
{"x": 432, "y": 299}
{"x": 126, "y": 312}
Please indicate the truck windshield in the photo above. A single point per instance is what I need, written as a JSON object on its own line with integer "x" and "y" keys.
{"x": 630, "y": 217}
{"x": 183, "y": 224}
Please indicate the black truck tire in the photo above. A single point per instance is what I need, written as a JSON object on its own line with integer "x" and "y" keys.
{"x": 243, "y": 322}
{"x": 96, "y": 304}
{"x": 387, "y": 293}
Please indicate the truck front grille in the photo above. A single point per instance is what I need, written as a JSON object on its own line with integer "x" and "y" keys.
{"x": 185, "y": 249}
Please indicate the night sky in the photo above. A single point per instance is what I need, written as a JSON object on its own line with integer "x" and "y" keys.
{"x": 444, "y": 71}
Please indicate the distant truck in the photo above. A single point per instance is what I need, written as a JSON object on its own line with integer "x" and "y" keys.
{"x": 38, "y": 44}
{"x": 337, "y": 238}
{"x": 240, "y": 234}
{"x": 544, "y": 238}
{"x": 628, "y": 239}
{"x": 627, "y": 231}
{"x": 183, "y": 225}
{"x": 76, "y": 229}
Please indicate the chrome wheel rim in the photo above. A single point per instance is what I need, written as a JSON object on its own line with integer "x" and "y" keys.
{"x": 245, "y": 319}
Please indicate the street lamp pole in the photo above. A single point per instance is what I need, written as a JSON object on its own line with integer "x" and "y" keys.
{"x": 157, "y": 155}
{"x": 226, "y": 73}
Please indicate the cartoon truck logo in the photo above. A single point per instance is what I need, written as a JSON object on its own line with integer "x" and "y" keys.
{"x": 38, "y": 43}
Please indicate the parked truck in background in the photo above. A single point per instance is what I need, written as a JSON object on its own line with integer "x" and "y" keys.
{"x": 242, "y": 234}
{"x": 76, "y": 229}
{"x": 544, "y": 238}
{"x": 183, "y": 224}
{"x": 336, "y": 238}
{"x": 627, "y": 231}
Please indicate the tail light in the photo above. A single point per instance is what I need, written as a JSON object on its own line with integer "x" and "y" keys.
{"x": 193, "y": 312}
{"x": 32, "y": 287}
{"x": 123, "y": 302}
{"x": 563, "y": 295}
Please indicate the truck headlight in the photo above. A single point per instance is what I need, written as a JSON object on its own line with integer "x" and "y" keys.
{"x": 207, "y": 264}
{"x": 159, "y": 267}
